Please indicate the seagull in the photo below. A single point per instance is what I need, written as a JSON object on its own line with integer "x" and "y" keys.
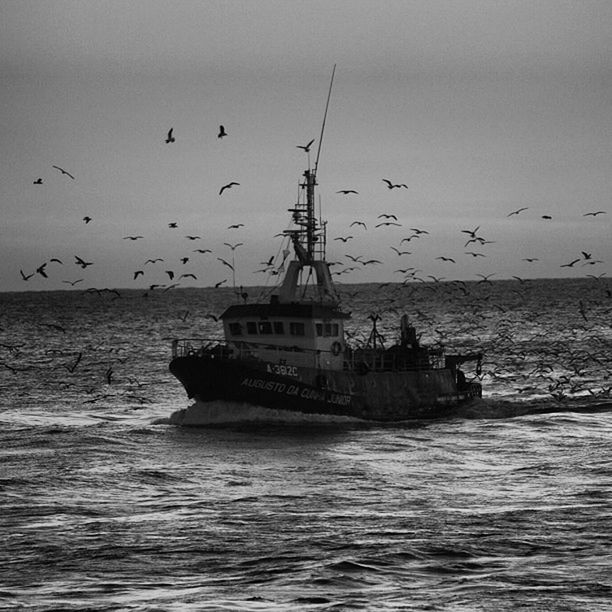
{"x": 343, "y": 238}
{"x": 227, "y": 186}
{"x": 388, "y": 223}
{"x": 138, "y": 273}
{"x": 474, "y": 254}
{"x": 87, "y": 220}
{"x": 586, "y": 255}
{"x": 530, "y": 259}
{"x": 485, "y": 278}
{"x": 222, "y": 132}
{"x": 170, "y": 138}
{"x": 217, "y": 285}
{"x": 82, "y": 263}
{"x": 589, "y": 214}
{"x": 132, "y": 237}
{"x": 472, "y": 233}
{"x": 170, "y": 274}
{"x": 570, "y": 264}
{"x": 225, "y": 263}
{"x": 386, "y": 216}
{"x": 38, "y": 181}
{"x": 546, "y": 217}
{"x": 446, "y": 258}
{"x": 236, "y": 226}
{"x": 419, "y": 231}
{"x": 401, "y": 252}
{"x": 184, "y": 260}
{"x": 189, "y": 275}
{"x": 306, "y": 147}
{"x": 153, "y": 260}
{"x": 193, "y": 237}
{"x": 41, "y": 270}
{"x": 26, "y": 277}
{"x": 516, "y": 212}
{"x": 347, "y": 191}
{"x": 172, "y": 224}
{"x": 63, "y": 172}
{"x": 359, "y": 223}
{"x": 391, "y": 185}
{"x": 202, "y": 251}
{"x": 233, "y": 246}
{"x": 73, "y": 283}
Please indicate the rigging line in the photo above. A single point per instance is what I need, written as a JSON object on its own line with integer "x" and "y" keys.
{"x": 324, "y": 119}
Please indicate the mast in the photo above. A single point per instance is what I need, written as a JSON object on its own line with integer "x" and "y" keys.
{"x": 309, "y": 238}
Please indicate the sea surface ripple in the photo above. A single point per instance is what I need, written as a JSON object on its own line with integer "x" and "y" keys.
{"x": 503, "y": 506}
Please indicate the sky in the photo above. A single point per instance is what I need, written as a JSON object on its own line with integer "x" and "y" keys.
{"x": 480, "y": 108}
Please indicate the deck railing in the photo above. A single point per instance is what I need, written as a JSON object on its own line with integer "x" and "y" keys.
{"x": 358, "y": 359}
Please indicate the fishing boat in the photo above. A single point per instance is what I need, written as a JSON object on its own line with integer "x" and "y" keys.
{"x": 288, "y": 357}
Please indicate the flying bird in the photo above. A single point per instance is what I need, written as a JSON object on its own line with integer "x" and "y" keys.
{"x": 189, "y": 275}
{"x": 173, "y": 225}
{"x": 26, "y": 277}
{"x": 153, "y": 260}
{"x": 233, "y": 246}
{"x": 170, "y": 138}
{"x": 222, "y": 132}
{"x": 217, "y": 285}
{"x": 132, "y": 237}
{"x": 516, "y": 212}
{"x": 202, "y": 251}
{"x": 570, "y": 264}
{"x": 306, "y": 147}
{"x": 344, "y": 238}
{"x": 225, "y": 263}
{"x": 589, "y": 214}
{"x": 41, "y": 270}
{"x": 87, "y": 220}
{"x": 170, "y": 274}
{"x": 347, "y": 191}
{"x": 446, "y": 258}
{"x": 391, "y": 185}
{"x": 388, "y": 223}
{"x": 386, "y": 216}
{"x": 236, "y": 226}
{"x": 359, "y": 223}
{"x": 227, "y": 186}
{"x": 73, "y": 283}
{"x": 193, "y": 237}
{"x": 82, "y": 263}
{"x": 138, "y": 273}
{"x": 38, "y": 181}
{"x": 401, "y": 252}
{"x": 64, "y": 172}
{"x": 546, "y": 217}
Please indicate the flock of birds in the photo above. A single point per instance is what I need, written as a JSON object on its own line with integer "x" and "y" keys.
{"x": 476, "y": 242}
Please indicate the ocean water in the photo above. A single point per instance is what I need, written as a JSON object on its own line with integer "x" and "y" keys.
{"x": 505, "y": 505}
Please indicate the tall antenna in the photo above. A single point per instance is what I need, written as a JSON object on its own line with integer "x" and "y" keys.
{"x": 324, "y": 119}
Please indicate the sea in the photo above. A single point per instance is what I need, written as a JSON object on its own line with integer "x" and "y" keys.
{"x": 504, "y": 504}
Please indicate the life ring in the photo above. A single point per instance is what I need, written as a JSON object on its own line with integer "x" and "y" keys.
{"x": 336, "y": 348}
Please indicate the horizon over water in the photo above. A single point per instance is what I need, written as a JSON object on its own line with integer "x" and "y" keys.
{"x": 504, "y": 505}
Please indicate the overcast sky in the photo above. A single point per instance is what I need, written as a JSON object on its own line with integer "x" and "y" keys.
{"x": 480, "y": 107}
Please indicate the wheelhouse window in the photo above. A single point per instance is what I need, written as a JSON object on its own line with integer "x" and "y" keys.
{"x": 235, "y": 329}
{"x": 251, "y": 328}
{"x": 265, "y": 327}
{"x": 327, "y": 329}
{"x": 297, "y": 328}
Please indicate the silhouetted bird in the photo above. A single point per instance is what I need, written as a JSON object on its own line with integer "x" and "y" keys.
{"x": 38, "y": 181}
{"x": 26, "y": 277}
{"x": 222, "y": 132}
{"x": 391, "y": 185}
{"x": 132, "y": 237}
{"x": 546, "y": 217}
{"x": 227, "y": 186}
{"x": 138, "y": 273}
{"x": 589, "y": 214}
{"x": 193, "y": 237}
{"x": 82, "y": 263}
{"x": 87, "y": 220}
{"x": 235, "y": 226}
{"x": 220, "y": 283}
{"x": 306, "y": 147}
{"x": 516, "y": 212}
{"x": 359, "y": 223}
{"x": 64, "y": 172}
{"x": 347, "y": 191}
{"x": 170, "y": 138}
{"x": 173, "y": 225}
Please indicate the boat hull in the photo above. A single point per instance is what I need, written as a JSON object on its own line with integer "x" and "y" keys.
{"x": 368, "y": 396}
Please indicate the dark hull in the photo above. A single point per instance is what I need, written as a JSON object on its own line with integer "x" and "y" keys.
{"x": 371, "y": 396}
